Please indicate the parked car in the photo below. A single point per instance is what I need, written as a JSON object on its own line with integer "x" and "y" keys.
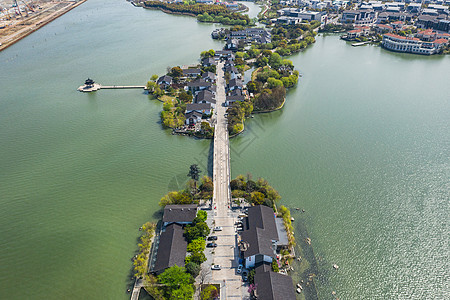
{"x": 239, "y": 269}
{"x": 211, "y": 245}
{"x": 216, "y": 267}
{"x": 218, "y": 228}
{"x": 212, "y": 238}
{"x": 245, "y": 276}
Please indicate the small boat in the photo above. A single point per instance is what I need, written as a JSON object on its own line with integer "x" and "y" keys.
{"x": 308, "y": 241}
{"x": 333, "y": 293}
{"x": 292, "y": 219}
{"x": 335, "y": 266}
{"x": 299, "y": 291}
{"x": 297, "y": 208}
{"x": 299, "y": 286}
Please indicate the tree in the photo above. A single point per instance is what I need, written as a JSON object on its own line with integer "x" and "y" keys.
{"x": 257, "y": 198}
{"x": 176, "y": 72}
{"x": 194, "y": 171}
{"x": 175, "y": 277}
{"x": 183, "y": 293}
{"x": 273, "y": 83}
{"x": 193, "y": 269}
{"x": 199, "y": 230}
{"x": 196, "y": 257}
{"x": 154, "y": 77}
{"x": 275, "y": 60}
{"x": 197, "y": 245}
{"x": 209, "y": 292}
{"x": 185, "y": 97}
{"x": 275, "y": 266}
{"x": 201, "y": 217}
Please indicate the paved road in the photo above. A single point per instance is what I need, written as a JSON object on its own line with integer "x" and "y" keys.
{"x": 232, "y": 286}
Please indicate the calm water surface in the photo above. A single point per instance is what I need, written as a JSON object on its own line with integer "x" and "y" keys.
{"x": 362, "y": 145}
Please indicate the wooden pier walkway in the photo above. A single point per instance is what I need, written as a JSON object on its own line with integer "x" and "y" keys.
{"x": 96, "y": 87}
{"x": 122, "y": 86}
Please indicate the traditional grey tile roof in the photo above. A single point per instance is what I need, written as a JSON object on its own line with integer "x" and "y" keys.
{"x": 235, "y": 82}
{"x": 191, "y": 71}
{"x": 258, "y": 243}
{"x": 199, "y": 83}
{"x": 164, "y": 79}
{"x": 236, "y": 98}
{"x": 209, "y": 75}
{"x": 231, "y": 69}
{"x": 205, "y": 95}
{"x": 198, "y": 106}
{"x": 273, "y": 286}
{"x": 179, "y": 212}
{"x": 171, "y": 249}
{"x": 263, "y": 217}
{"x": 208, "y": 61}
{"x": 194, "y": 114}
{"x": 261, "y": 233}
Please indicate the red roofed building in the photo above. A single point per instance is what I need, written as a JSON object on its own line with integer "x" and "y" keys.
{"x": 382, "y": 28}
{"x": 414, "y": 45}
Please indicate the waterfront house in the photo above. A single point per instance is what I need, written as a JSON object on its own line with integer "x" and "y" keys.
{"x": 412, "y": 45}
{"x": 165, "y": 81}
{"x": 180, "y": 214}
{"x": 233, "y": 98}
{"x": 192, "y": 72}
{"x": 193, "y": 117}
{"x": 171, "y": 249}
{"x": 208, "y": 62}
{"x": 223, "y": 54}
{"x": 203, "y": 108}
{"x": 271, "y": 285}
{"x": 260, "y": 239}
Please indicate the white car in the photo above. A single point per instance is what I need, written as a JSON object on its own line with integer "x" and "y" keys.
{"x": 239, "y": 269}
{"x": 218, "y": 228}
{"x": 216, "y": 267}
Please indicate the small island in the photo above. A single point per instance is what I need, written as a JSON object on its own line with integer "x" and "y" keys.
{"x": 180, "y": 250}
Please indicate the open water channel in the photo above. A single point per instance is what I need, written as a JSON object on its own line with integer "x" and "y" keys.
{"x": 362, "y": 145}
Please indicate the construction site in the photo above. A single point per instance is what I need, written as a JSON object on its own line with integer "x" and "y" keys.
{"x": 19, "y": 18}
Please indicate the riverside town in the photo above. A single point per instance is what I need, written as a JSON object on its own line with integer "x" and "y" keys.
{"x": 233, "y": 95}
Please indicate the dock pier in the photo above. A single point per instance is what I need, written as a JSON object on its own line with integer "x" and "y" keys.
{"x": 91, "y": 86}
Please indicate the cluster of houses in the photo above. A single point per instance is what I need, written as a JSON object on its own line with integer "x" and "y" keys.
{"x": 316, "y": 4}
{"x": 247, "y": 36}
{"x": 171, "y": 247}
{"x": 235, "y": 87}
{"x": 292, "y": 16}
{"x": 435, "y": 16}
{"x": 202, "y": 86}
{"x": 262, "y": 238}
{"x": 388, "y": 18}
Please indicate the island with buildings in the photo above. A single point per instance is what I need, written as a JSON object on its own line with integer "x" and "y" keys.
{"x": 188, "y": 247}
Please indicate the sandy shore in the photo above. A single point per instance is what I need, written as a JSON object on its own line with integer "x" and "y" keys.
{"x": 20, "y": 28}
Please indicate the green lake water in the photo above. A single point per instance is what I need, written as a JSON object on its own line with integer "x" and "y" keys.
{"x": 362, "y": 145}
